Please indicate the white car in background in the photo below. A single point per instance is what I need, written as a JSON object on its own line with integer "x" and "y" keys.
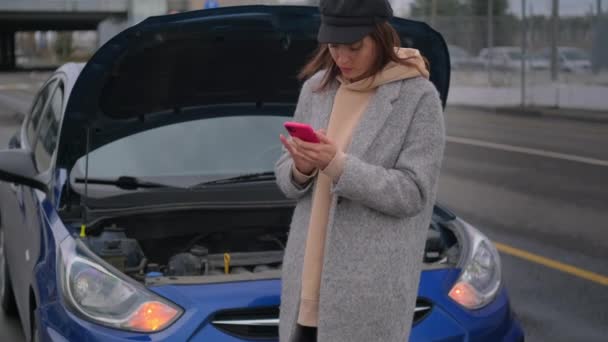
{"x": 461, "y": 58}
{"x": 501, "y": 57}
{"x": 571, "y": 59}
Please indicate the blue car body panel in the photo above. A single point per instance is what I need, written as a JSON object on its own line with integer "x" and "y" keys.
{"x": 447, "y": 321}
{"x": 443, "y": 323}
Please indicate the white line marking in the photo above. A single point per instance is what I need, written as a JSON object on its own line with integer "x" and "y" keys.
{"x": 526, "y": 150}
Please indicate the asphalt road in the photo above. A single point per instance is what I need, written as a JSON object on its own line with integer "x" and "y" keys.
{"x": 537, "y": 187}
{"x": 551, "y": 207}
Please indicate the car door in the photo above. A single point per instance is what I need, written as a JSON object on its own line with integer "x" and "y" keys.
{"x": 20, "y": 208}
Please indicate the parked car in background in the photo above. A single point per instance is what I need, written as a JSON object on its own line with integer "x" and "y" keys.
{"x": 461, "y": 58}
{"x": 508, "y": 58}
{"x": 570, "y": 59}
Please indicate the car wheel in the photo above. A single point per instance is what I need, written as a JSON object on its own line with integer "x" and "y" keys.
{"x": 7, "y": 299}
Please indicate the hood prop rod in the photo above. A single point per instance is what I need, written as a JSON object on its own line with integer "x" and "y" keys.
{"x": 83, "y": 201}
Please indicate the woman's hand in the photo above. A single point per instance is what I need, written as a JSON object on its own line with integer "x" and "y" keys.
{"x": 319, "y": 154}
{"x": 302, "y": 163}
{"x": 308, "y": 156}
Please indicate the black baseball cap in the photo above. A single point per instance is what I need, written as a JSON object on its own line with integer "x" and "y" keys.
{"x": 348, "y": 21}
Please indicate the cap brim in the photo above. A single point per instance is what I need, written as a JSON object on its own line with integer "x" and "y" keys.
{"x": 329, "y": 34}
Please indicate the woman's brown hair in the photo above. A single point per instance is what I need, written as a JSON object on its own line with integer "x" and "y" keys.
{"x": 385, "y": 38}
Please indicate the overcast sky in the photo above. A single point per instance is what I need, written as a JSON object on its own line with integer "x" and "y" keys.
{"x": 537, "y": 7}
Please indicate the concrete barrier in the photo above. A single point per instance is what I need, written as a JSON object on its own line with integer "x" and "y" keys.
{"x": 555, "y": 95}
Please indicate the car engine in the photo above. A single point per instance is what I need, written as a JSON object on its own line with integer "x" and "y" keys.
{"x": 217, "y": 253}
{"x": 209, "y": 246}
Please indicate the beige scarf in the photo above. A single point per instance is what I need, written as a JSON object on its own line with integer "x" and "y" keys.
{"x": 350, "y": 102}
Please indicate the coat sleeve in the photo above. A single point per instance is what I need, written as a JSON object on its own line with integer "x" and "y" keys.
{"x": 405, "y": 189}
{"x": 283, "y": 167}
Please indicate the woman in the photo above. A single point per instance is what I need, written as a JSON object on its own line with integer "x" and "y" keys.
{"x": 365, "y": 193}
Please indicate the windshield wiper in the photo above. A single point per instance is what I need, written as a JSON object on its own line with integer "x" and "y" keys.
{"x": 124, "y": 182}
{"x": 260, "y": 176}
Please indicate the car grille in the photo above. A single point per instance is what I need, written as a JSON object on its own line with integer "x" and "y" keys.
{"x": 249, "y": 323}
{"x": 423, "y": 308}
{"x": 263, "y": 323}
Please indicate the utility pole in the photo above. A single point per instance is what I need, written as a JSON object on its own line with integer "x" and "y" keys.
{"x": 554, "y": 36}
{"x": 524, "y": 43}
{"x": 433, "y": 12}
{"x": 598, "y": 51}
{"x": 490, "y": 37}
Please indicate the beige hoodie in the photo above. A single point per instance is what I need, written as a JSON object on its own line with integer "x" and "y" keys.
{"x": 350, "y": 102}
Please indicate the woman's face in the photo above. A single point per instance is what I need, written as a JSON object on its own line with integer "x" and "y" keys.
{"x": 355, "y": 59}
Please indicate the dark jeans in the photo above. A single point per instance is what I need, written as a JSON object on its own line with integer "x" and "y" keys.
{"x": 305, "y": 334}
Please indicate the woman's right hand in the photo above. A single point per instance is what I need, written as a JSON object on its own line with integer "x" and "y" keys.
{"x": 303, "y": 164}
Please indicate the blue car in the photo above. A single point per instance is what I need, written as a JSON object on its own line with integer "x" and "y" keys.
{"x": 138, "y": 202}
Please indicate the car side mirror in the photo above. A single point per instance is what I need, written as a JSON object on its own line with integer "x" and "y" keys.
{"x": 17, "y": 166}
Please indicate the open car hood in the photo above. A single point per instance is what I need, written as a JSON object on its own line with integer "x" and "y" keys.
{"x": 151, "y": 73}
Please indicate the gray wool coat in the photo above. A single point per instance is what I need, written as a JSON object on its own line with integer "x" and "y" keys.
{"x": 379, "y": 216}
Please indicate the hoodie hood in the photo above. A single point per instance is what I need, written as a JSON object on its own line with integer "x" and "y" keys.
{"x": 393, "y": 71}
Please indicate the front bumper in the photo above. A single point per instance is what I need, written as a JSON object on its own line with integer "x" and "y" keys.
{"x": 496, "y": 326}
{"x": 198, "y": 301}
{"x": 447, "y": 321}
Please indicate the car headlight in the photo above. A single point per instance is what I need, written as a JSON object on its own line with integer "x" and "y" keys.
{"x": 481, "y": 275}
{"x": 104, "y": 295}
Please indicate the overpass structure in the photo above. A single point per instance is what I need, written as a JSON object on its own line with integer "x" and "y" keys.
{"x": 106, "y": 16}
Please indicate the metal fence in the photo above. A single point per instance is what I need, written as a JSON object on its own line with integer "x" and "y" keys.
{"x": 517, "y": 59}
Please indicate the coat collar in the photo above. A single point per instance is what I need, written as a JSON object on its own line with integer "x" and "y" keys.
{"x": 372, "y": 120}
{"x": 374, "y": 117}
{"x": 325, "y": 101}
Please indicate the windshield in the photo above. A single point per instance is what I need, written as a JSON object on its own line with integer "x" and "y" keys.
{"x": 228, "y": 145}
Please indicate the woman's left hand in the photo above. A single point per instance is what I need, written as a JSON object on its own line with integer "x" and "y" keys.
{"x": 322, "y": 153}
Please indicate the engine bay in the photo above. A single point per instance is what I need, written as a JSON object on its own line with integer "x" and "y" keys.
{"x": 148, "y": 248}
{"x": 207, "y": 254}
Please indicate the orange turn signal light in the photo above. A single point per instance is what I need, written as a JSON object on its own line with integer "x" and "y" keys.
{"x": 151, "y": 316}
{"x": 464, "y": 294}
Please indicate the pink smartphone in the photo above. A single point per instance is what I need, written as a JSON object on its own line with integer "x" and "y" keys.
{"x": 302, "y": 131}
